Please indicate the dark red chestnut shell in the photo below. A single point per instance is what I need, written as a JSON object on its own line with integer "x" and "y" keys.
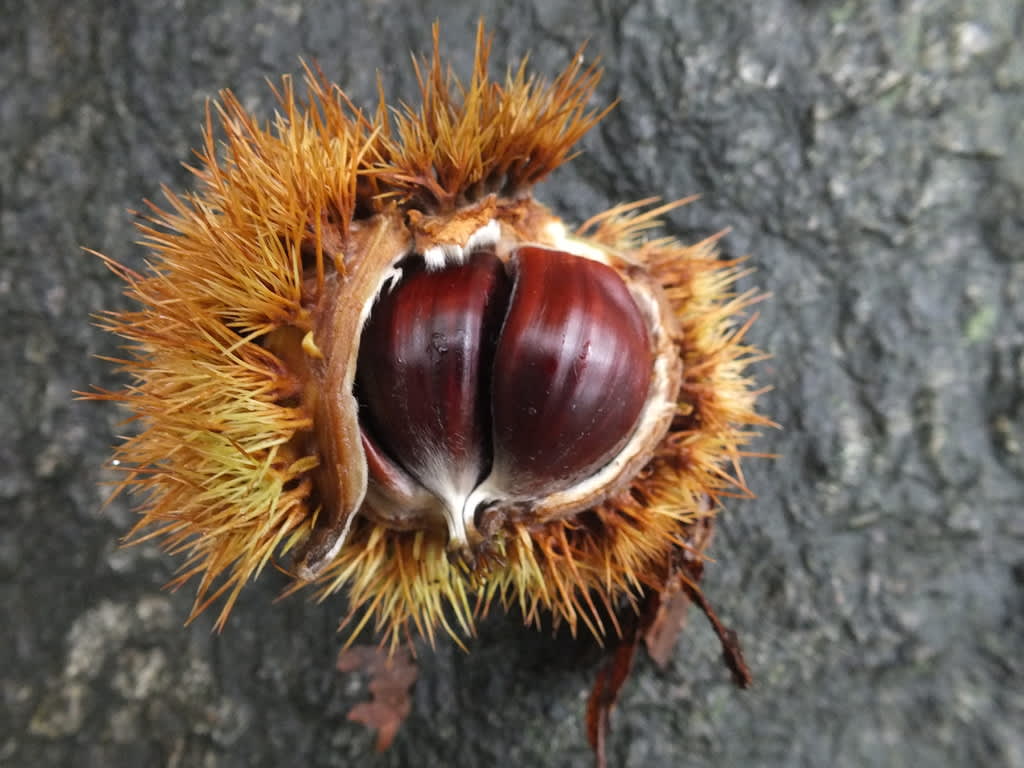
{"x": 571, "y": 371}
{"x": 498, "y": 383}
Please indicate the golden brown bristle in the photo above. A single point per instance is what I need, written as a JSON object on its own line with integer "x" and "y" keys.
{"x": 224, "y": 466}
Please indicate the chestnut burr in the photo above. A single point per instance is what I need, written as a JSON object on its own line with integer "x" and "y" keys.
{"x": 363, "y": 345}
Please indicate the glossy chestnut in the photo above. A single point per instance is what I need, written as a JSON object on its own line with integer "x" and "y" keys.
{"x": 571, "y": 372}
{"x": 498, "y": 384}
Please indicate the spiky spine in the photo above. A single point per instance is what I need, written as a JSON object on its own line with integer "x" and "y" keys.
{"x": 219, "y": 463}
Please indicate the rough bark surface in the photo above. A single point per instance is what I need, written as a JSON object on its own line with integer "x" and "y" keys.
{"x": 870, "y": 159}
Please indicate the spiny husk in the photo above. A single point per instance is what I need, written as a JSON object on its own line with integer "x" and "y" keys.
{"x": 222, "y": 464}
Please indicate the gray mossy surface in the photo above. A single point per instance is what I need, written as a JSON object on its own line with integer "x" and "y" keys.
{"x": 870, "y": 160}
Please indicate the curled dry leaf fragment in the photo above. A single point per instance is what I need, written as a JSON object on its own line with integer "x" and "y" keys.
{"x": 365, "y": 351}
{"x": 666, "y": 610}
{"x": 607, "y": 686}
{"x": 391, "y": 678}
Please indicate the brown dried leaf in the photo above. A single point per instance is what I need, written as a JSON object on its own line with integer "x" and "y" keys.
{"x": 669, "y": 620}
{"x": 689, "y": 571}
{"x": 391, "y": 678}
{"x": 666, "y": 613}
{"x": 732, "y": 654}
{"x": 605, "y": 693}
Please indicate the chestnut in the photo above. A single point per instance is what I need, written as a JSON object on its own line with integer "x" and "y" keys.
{"x": 423, "y": 375}
{"x": 500, "y": 383}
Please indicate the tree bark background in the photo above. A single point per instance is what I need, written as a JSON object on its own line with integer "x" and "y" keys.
{"x": 869, "y": 157}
